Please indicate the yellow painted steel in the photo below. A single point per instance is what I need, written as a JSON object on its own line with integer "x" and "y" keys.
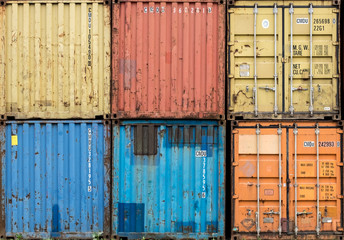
{"x": 55, "y": 59}
{"x": 325, "y": 60}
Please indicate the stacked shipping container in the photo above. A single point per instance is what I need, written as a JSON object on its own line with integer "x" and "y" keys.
{"x": 169, "y": 170}
{"x": 55, "y": 64}
{"x": 286, "y": 176}
{"x": 144, "y": 156}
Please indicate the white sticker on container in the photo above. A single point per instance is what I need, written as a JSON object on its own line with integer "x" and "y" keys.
{"x": 308, "y": 144}
{"x": 201, "y": 153}
{"x": 244, "y": 70}
{"x": 327, "y": 108}
{"x": 301, "y": 20}
{"x": 265, "y": 23}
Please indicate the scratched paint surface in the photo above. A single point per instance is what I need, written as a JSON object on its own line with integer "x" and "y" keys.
{"x": 293, "y": 73}
{"x": 302, "y": 179}
{"x": 168, "y": 59}
{"x": 168, "y": 179}
{"x": 55, "y": 177}
{"x": 55, "y": 59}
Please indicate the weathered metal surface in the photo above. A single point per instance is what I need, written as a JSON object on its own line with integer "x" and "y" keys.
{"x": 56, "y": 179}
{"x": 299, "y": 94}
{"x": 169, "y": 179}
{"x": 55, "y": 59}
{"x": 315, "y": 157}
{"x": 168, "y": 60}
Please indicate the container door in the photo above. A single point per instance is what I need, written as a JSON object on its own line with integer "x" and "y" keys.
{"x": 255, "y": 72}
{"x": 259, "y": 174}
{"x": 315, "y": 179}
{"x": 311, "y": 28}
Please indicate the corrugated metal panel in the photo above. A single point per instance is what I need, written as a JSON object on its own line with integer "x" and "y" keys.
{"x": 56, "y": 179}
{"x": 55, "y": 59}
{"x": 169, "y": 179}
{"x": 303, "y": 155}
{"x": 284, "y": 87}
{"x": 168, "y": 60}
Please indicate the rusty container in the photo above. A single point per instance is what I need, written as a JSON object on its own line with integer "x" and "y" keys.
{"x": 55, "y": 179}
{"x": 284, "y": 62}
{"x": 168, "y": 59}
{"x": 287, "y": 179}
{"x": 55, "y": 59}
{"x": 169, "y": 179}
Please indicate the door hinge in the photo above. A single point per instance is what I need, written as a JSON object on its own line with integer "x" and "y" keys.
{"x": 340, "y": 196}
{"x": 283, "y": 60}
{"x": 335, "y": 10}
{"x": 235, "y": 196}
{"x": 234, "y": 164}
{"x": 340, "y": 164}
{"x": 335, "y": 43}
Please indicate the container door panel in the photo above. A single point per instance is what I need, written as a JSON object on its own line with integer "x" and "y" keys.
{"x": 250, "y": 95}
{"x": 307, "y": 93}
{"x": 315, "y": 166}
{"x": 246, "y": 191}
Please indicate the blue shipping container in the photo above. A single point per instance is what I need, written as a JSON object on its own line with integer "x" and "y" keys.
{"x": 169, "y": 179}
{"x": 55, "y": 179}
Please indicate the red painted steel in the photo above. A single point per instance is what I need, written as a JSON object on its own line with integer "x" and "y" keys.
{"x": 168, "y": 60}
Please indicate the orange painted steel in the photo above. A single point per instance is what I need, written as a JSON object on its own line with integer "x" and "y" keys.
{"x": 168, "y": 60}
{"x": 275, "y": 152}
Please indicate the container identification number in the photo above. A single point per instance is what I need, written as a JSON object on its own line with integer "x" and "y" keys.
{"x": 178, "y": 10}
{"x": 89, "y": 160}
{"x": 203, "y": 154}
{"x": 326, "y": 144}
{"x": 319, "y": 24}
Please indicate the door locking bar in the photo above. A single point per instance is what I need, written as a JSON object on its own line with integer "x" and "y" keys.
{"x": 255, "y": 93}
{"x": 275, "y": 11}
{"x": 291, "y": 107}
{"x": 258, "y": 184}
{"x": 310, "y": 10}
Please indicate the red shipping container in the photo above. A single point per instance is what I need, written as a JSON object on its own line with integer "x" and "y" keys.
{"x": 168, "y": 60}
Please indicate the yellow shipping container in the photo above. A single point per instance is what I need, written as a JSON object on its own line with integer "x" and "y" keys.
{"x": 55, "y": 59}
{"x": 273, "y": 48}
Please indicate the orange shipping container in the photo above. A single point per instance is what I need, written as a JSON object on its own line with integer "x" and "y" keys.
{"x": 287, "y": 179}
{"x": 168, "y": 60}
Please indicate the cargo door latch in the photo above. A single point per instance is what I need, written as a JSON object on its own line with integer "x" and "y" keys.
{"x": 271, "y": 213}
{"x": 300, "y": 89}
{"x": 304, "y": 213}
{"x": 268, "y": 88}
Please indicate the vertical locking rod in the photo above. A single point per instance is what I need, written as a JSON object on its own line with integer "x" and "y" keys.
{"x": 258, "y": 184}
{"x": 317, "y": 131}
{"x": 311, "y": 92}
{"x": 295, "y": 177}
{"x": 291, "y": 108}
{"x": 279, "y": 131}
{"x": 275, "y": 74}
{"x": 255, "y": 89}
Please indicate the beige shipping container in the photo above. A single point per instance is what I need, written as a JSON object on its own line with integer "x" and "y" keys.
{"x": 55, "y": 59}
{"x": 271, "y": 58}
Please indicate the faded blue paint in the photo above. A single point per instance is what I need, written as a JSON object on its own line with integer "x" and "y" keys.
{"x": 169, "y": 184}
{"x": 48, "y": 189}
